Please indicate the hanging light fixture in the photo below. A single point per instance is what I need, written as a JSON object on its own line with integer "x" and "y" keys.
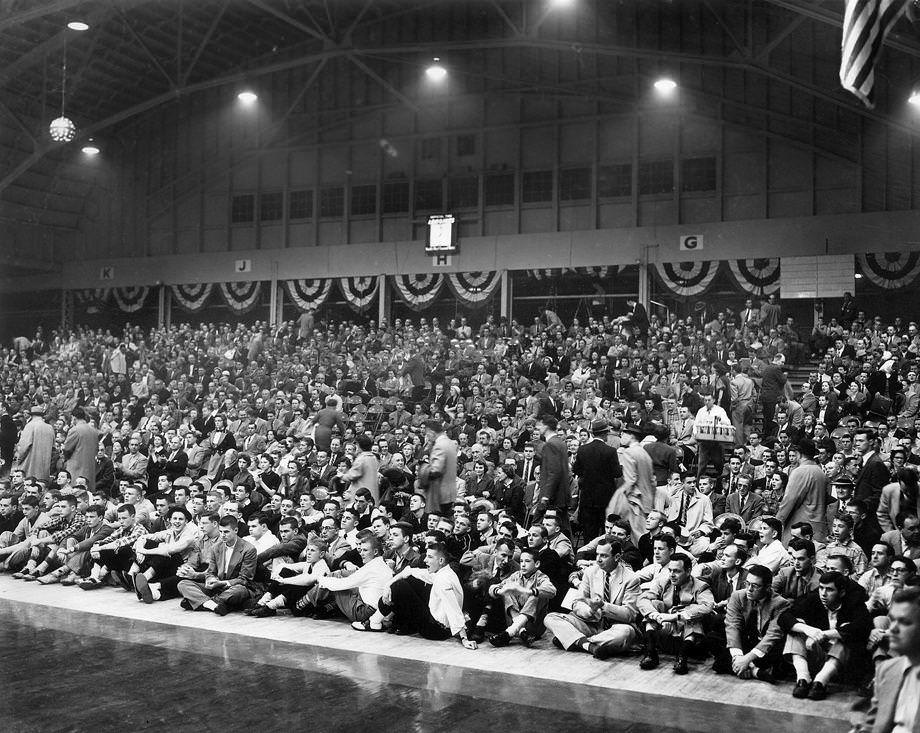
{"x": 62, "y": 129}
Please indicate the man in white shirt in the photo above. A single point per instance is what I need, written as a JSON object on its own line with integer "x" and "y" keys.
{"x": 426, "y": 601}
{"x": 772, "y": 554}
{"x": 709, "y": 417}
{"x": 358, "y": 594}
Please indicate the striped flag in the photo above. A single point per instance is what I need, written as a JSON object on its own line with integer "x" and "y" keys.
{"x": 865, "y": 25}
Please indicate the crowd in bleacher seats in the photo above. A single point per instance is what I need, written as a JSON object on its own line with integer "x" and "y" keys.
{"x": 618, "y": 485}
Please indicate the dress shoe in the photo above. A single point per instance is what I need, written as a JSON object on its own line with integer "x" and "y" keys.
{"x": 557, "y": 644}
{"x": 722, "y": 666}
{"x": 186, "y": 604}
{"x": 500, "y": 639}
{"x": 602, "y": 651}
{"x": 801, "y": 689}
{"x": 263, "y": 612}
{"x": 221, "y": 609}
{"x": 142, "y": 588}
{"x": 818, "y": 691}
{"x": 477, "y": 634}
{"x": 765, "y": 675}
{"x": 527, "y": 639}
{"x": 681, "y": 666}
{"x": 649, "y": 661}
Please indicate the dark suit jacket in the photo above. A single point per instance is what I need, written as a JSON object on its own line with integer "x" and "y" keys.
{"x": 511, "y": 497}
{"x": 597, "y": 468}
{"x": 555, "y": 478}
{"x": 751, "y": 509}
{"x": 242, "y": 567}
{"x": 853, "y": 620}
{"x": 720, "y": 585}
{"x": 176, "y": 467}
{"x": 870, "y": 480}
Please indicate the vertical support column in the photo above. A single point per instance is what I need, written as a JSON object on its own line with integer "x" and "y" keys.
{"x": 506, "y": 295}
{"x": 66, "y": 310}
{"x": 161, "y": 305}
{"x": 643, "y": 279}
{"x": 384, "y": 300}
{"x": 273, "y": 298}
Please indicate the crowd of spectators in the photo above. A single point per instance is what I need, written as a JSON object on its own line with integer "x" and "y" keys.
{"x": 618, "y": 485}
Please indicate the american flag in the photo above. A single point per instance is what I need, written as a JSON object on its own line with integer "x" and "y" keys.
{"x": 865, "y": 25}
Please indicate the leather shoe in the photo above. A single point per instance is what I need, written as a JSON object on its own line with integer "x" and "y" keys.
{"x": 527, "y": 639}
{"x": 500, "y": 639}
{"x": 681, "y": 666}
{"x": 649, "y": 661}
{"x": 261, "y": 612}
{"x": 142, "y": 588}
{"x": 221, "y": 609}
{"x": 185, "y": 604}
{"x": 801, "y": 689}
{"x": 818, "y": 691}
{"x": 477, "y": 634}
{"x": 602, "y": 651}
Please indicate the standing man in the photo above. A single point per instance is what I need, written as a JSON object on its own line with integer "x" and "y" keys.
{"x": 597, "y": 468}
{"x": 772, "y": 387}
{"x": 805, "y": 499}
{"x": 635, "y": 497}
{"x": 439, "y": 478}
{"x": 363, "y": 472}
{"x": 742, "y": 389}
{"x": 554, "y": 489}
{"x": 33, "y": 451}
{"x": 80, "y": 448}
{"x": 709, "y": 418}
{"x": 873, "y": 474}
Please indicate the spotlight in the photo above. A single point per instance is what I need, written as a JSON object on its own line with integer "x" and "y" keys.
{"x": 914, "y": 97}
{"x": 78, "y": 25}
{"x": 91, "y": 149}
{"x": 247, "y": 97}
{"x": 665, "y": 85}
{"x": 561, "y": 3}
{"x": 436, "y": 72}
{"x": 858, "y": 276}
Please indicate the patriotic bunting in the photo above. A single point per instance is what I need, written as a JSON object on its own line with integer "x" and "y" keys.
{"x": 419, "y": 291}
{"x": 131, "y": 299}
{"x": 308, "y": 294}
{"x": 91, "y": 296}
{"x": 758, "y": 276}
{"x": 599, "y": 272}
{"x": 360, "y": 291}
{"x": 474, "y": 288}
{"x": 687, "y": 278}
{"x": 865, "y": 25}
{"x": 192, "y": 298}
{"x": 890, "y": 270}
{"x": 241, "y": 296}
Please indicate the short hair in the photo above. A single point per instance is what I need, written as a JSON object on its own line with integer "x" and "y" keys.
{"x": 291, "y": 522}
{"x": 180, "y": 510}
{"x": 213, "y": 517}
{"x": 907, "y": 595}
{"x": 616, "y": 547}
{"x": 96, "y": 509}
{"x": 330, "y": 500}
{"x": 127, "y": 508}
{"x": 318, "y": 543}
{"x": 364, "y": 442}
{"x": 774, "y": 524}
{"x": 845, "y": 519}
{"x": 742, "y": 554}
{"x": 683, "y": 559}
{"x": 70, "y": 499}
{"x": 405, "y": 528}
{"x": 258, "y": 517}
{"x": 438, "y": 547}
{"x": 533, "y": 553}
{"x": 624, "y": 525}
{"x": 549, "y": 421}
{"x": 908, "y": 563}
{"x": 421, "y": 496}
{"x": 230, "y": 521}
{"x": 668, "y": 539}
{"x": 800, "y": 543}
{"x": 370, "y": 539}
{"x": 365, "y": 493}
{"x": 732, "y": 524}
{"x": 889, "y": 550}
{"x": 902, "y": 517}
{"x": 762, "y": 572}
{"x": 845, "y": 559}
{"x": 804, "y": 527}
{"x": 29, "y": 500}
{"x": 839, "y": 580}
{"x": 859, "y": 505}
{"x": 505, "y": 543}
{"x": 541, "y": 529}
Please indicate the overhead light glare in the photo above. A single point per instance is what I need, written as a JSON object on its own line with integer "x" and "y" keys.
{"x": 914, "y": 97}
{"x": 436, "y": 72}
{"x": 91, "y": 149}
{"x": 247, "y": 97}
{"x": 665, "y": 85}
{"x": 78, "y": 25}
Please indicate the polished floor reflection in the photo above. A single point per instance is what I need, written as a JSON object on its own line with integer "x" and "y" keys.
{"x": 53, "y": 680}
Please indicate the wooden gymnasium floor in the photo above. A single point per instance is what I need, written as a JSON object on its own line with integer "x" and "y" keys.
{"x": 541, "y": 677}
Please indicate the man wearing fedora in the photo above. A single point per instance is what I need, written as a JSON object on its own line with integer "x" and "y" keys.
{"x": 597, "y": 468}
{"x": 805, "y": 499}
{"x": 33, "y": 451}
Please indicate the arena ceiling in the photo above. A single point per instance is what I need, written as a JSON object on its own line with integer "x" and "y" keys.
{"x": 139, "y": 55}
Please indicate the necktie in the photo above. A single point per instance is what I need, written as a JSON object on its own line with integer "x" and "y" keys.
{"x": 607, "y": 589}
{"x": 682, "y": 516}
{"x": 675, "y": 598}
{"x": 526, "y": 471}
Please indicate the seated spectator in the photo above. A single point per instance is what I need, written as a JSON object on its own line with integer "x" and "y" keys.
{"x": 526, "y": 595}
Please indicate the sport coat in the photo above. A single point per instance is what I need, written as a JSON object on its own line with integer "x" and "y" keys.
{"x": 889, "y": 676}
{"x": 620, "y": 603}
{"x": 242, "y": 567}
{"x": 741, "y": 621}
{"x": 872, "y": 477}
{"x": 748, "y": 508}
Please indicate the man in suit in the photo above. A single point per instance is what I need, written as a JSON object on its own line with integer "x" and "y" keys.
{"x": 251, "y": 441}
{"x": 555, "y": 490}
{"x": 80, "y": 448}
{"x": 363, "y": 472}
{"x": 805, "y": 498}
{"x": 896, "y": 700}
{"x": 690, "y": 513}
{"x": 873, "y": 474}
{"x": 603, "y": 616}
{"x": 528, "y": 463}
{"x": 231, "y": 570}
{"x": 176, "y": 460}
{"x": 753, "y": 636}
{"x": 906, "y": 538}
{"x": 635, "y": 497}
{"x": 439, "y": 477}
{"x": 744, "y": 502}
{"x": 682, "y": 434}
{"x": 597, "y": 468}
{"x": 827, "y": 629}
{"x": 796, "y": 580}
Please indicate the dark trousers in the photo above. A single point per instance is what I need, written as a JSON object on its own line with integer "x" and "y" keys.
{"x": 409, "y": 603}
{"x": 163, "y": 567}
{"x": 711, "y": 452}
{"x": 120, "y": 559}
{"x": 591, "y": 519}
